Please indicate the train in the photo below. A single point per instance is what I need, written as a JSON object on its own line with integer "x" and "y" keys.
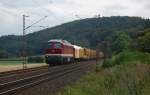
{"x": 61, "y": 52}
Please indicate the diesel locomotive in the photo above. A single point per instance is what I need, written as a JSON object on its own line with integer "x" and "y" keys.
{"x": 62, "y": 52}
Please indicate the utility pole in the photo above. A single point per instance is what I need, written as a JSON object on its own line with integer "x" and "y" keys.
{"x": 24, "y": 55}
{"x": 24, "y": 43}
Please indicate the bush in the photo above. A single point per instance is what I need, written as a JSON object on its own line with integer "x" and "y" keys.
{"x": 127, "y": 79}
{"x": 36, "y": 59}
{"x": 127, "y": 57}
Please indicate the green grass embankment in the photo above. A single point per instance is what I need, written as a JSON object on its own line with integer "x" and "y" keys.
{"x": 128, "y": 57}
{"x": 11, "y": 61}
{"x": 128, "y": 74}
{"x": 17, "y": 61}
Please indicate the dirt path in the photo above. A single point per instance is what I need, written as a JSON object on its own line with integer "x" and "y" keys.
{"x": 4, "y": 68}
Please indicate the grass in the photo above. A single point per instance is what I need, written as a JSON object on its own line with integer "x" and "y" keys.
{"x": 128, "y": 57}
{"x": 17, "y": 61}
{"x": 10, "y": 59}
{"x": 10, "y": 62}
{"x": 128, "y": 79}
{"x": 127, "y": 73}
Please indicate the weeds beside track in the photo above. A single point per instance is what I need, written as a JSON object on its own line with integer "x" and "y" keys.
{"x": 17, "y": 85}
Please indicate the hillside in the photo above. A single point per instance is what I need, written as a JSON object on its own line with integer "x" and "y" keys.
{"x": 86, "y": 32}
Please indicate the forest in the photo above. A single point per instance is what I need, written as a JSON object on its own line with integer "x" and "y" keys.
{"x": 108, "y": 34}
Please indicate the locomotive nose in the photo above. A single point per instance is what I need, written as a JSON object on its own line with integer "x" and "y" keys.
{"x": 53, "y": 51}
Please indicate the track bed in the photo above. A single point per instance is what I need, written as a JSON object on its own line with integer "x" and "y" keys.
{"x": 46, "y": 81}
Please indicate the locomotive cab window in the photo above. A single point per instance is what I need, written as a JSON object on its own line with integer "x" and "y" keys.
{"x": 57, "y": 45}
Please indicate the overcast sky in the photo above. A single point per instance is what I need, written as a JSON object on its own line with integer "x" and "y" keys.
{"x": 61, "y": 11}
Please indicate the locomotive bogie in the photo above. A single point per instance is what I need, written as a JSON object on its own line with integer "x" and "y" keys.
{"x": 58, "y": 59}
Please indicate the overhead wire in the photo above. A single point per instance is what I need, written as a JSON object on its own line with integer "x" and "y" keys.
{"x": 36, "y": 22}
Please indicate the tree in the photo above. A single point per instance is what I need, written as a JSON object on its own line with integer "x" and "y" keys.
{"x": 144, "y": 41}
{"x": 86, "y": 32}
{"x": 3, "y": 54}
{"x": 147, "y": 23}
{"x": 121, "y": 42}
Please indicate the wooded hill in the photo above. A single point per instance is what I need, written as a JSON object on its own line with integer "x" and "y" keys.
{"x": 88, "y": 32}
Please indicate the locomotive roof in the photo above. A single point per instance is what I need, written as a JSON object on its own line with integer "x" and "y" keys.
{"x": 61, "y": 41}
{"x": 77, "y": 47}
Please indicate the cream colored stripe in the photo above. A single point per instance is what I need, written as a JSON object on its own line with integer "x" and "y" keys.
{"x": 70, "y": 55}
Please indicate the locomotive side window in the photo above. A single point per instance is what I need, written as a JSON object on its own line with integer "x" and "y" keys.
{"x": 57, "y": 45}
{"x": 50, "y": 45}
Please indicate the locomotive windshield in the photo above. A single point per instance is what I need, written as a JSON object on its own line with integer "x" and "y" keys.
{"x": 54, "y": 45}
{"x": 57, "y": 45}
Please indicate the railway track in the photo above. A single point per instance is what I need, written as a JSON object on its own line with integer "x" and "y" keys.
{"x": 14, "y": 72}
{"x": 12, "y": 87}
{"x": 21, "y": 75}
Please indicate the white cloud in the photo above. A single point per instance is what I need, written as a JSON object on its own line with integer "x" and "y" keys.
{"x": 60, "y": 11}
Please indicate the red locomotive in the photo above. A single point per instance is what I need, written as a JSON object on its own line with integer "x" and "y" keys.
{"x": 59, "y": 52}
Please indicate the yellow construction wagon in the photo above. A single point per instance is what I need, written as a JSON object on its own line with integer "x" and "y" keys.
{"x": 78, "y": 53}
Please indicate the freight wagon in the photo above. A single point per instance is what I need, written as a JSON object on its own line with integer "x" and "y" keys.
{"x": 79, "y": 53}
